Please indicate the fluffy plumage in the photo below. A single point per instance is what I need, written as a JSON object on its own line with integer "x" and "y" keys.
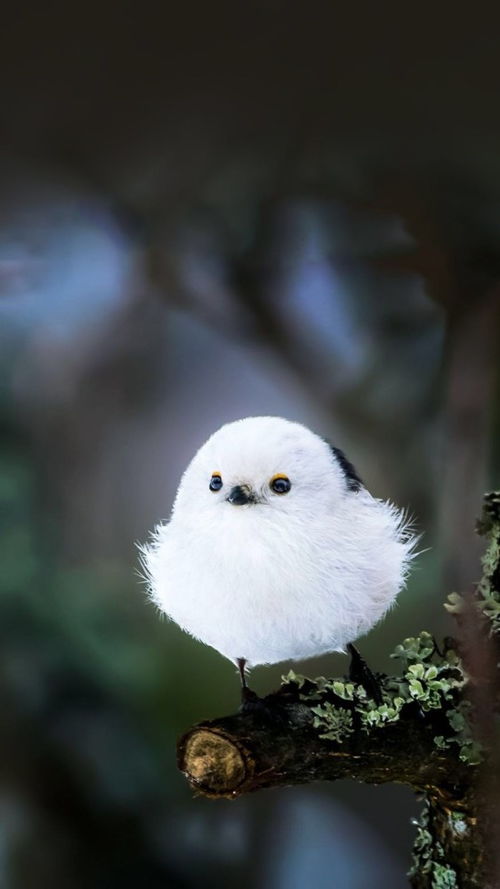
{"x": 284, "y": 576}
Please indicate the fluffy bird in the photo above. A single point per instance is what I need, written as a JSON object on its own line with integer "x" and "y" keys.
{"x": 275, "y": 550}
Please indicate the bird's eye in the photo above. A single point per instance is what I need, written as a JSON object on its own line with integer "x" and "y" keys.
{"x": 280, "y": 484}
{"x": 215, "y": 482}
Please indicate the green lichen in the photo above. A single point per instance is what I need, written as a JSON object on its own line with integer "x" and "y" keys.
{"x": 415, "y": 648}
{"x": 335, "y": 724}
{"x": 443, "y": 877}
{"x": 460, "y": 720}
{"x": 455, "y": 604}
{"x": 294, "y": 678}
{"x": 344, "y": 690}
{"x": 458, "y": 824}
{"x": 429, "y": 856}
{"x": 487, "y": 597}
{"x": 376, "y": 716}
{"x": 488, "y": 590}
{"x": 426, "y": 686}
{"x": 430, "y": 679}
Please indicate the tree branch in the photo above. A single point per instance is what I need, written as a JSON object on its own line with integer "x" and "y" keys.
{"x": 279, "y": 746}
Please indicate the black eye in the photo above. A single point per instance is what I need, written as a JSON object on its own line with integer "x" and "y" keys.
{"x": 215, "y": 482}
{"x": 280, "y": 484}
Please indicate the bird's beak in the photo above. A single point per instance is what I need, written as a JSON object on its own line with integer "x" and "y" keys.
{"x": 240, "y": 495}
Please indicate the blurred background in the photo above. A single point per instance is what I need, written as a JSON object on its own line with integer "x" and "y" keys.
{"x": 209, "y": 211}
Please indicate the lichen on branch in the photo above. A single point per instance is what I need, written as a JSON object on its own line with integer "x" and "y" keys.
{"x": 487, "y": 593}
{"x": 423, "y": 733}
{"x": 429, "y": 681}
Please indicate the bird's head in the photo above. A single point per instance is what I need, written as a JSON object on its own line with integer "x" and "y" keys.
{"x": 265, "y": 463}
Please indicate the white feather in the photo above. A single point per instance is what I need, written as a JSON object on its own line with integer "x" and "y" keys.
{"x": 290, "y": 577}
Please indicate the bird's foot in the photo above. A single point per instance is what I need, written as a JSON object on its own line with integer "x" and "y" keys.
{"x": 360, "y": 673}
{"x": 249, "y": 698}
{"x": 267, "y": 708}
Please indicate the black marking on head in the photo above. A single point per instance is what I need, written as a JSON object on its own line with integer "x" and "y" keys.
{"x": 354, "y": 483}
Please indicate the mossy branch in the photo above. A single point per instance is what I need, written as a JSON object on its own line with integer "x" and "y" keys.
{"x": 427, "y": 733}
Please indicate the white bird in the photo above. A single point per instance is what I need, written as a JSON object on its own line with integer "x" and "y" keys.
{"x": 275, "y": 550}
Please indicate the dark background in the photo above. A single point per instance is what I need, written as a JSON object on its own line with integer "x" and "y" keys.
{"x": 207, "y": 212}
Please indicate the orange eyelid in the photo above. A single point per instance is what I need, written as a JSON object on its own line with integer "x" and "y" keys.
{"x": 217, "y": 474}
{"x": 279, "y": 475}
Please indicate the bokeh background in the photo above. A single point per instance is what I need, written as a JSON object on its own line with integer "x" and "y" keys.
{"x": 209, "y": 211}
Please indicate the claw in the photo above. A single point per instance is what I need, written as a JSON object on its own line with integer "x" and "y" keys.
{"x": 360, "y": 673}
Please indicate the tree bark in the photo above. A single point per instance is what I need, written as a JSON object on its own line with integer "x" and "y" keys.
{"x": 277, "y": 745}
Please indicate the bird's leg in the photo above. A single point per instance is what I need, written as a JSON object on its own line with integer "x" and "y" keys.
{"x": 247, "y": 695}
{"x": 268, "y": 709}
{"x": 241, "y": 662}
{"x": 360, "y": 673}
{"x": 437, "y": 650}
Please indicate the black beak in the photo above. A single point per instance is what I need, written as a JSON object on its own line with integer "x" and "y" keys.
{"x": 239, "y": 495}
